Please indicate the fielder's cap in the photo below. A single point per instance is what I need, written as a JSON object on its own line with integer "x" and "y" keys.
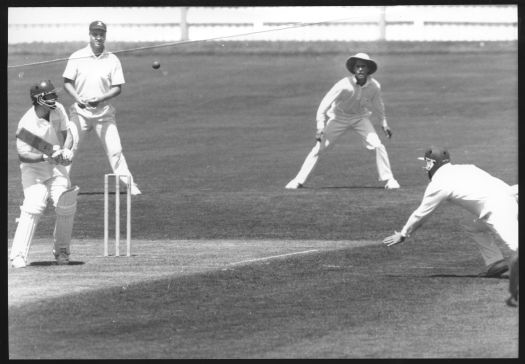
{"x": 350, "y": 62}
{"x": 97, "y": 25}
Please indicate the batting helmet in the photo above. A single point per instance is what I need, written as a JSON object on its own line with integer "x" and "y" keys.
{"x": 44, "y": 93}
{"x": 435, "y": 157}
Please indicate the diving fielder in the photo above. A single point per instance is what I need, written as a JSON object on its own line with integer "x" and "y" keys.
{"x": 92, "y": 77}
{"x": 45, "y": 176}
{"x": 492, "y": 202}
{"x": 351, "y": 104}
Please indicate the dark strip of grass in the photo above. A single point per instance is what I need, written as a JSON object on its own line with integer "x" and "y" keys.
{"x": 63, "y": 49}
{"x": 272, "y": 309}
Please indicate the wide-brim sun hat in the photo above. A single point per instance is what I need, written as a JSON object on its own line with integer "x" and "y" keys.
{"x": 372, "y": 65}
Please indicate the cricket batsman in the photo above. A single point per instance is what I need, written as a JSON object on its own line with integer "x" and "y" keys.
{"x": 493, "y": 203}
{"x": 44, "y": 174}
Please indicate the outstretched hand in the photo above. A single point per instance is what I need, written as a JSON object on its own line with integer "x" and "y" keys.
{"x": 67, "y": 157}
{"x": 394, "y": 239}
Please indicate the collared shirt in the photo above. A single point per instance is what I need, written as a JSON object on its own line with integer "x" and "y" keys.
{"x": 50, "y": 131}
{"x": 93, "y": 76}
{"x": 347, "y": 99}
{"x": 462, "y": 184}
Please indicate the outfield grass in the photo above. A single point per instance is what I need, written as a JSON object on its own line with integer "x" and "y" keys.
{"x": 212, "y": 139}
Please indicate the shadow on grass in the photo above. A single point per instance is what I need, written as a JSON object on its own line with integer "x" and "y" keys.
{"x": 100, "y": 193}
{"x": 354, "y": 187}
{"x": 342, "y": 188}
{"x": 351, "y": 187}
{"x": 445, "y": 276}
{"x": 50, "y": 263}
{"x": 466, "y": 276}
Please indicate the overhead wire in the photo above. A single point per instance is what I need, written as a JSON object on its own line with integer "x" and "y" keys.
{"x": 171, "y": 44}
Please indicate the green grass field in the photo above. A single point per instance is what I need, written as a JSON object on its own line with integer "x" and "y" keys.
{"x": 226, "y": 262}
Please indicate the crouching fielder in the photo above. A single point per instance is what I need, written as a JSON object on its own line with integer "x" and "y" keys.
{"x": 44, "y": 176}
{"x": 351, "y": 104}
{"x": 489, "y": 199}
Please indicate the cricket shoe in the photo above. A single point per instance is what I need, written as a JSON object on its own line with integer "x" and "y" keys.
{"x": 392, "y": 184}
{"x": 293, "y": 185}
{"x": 495, "y": 270}
{"x": 18, "y": 262}
{"x": 62, "y": 258}
{"x": 135, "y": 190}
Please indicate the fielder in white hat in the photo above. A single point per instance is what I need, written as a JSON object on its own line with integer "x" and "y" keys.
{"x": 351, "y": 104}
{"x": 350, "y": 63}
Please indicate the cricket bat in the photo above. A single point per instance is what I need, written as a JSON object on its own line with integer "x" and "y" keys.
{"x": 36, "y": 142}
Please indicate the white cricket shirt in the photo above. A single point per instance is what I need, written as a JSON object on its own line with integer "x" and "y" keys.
{"x": 93, "y": 76}
{"x": 348, "y": 100}
{"x": 462, "y": 184}
{"x": 50, "y": 131}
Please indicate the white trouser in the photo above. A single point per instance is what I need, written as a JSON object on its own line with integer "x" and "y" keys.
{"x": 336, "y": 127}
{"x": 35, "y": 202}
{"x": 480, "y": 233}
{"x": 107, "y": 132}
{"x": 502, "y": 219}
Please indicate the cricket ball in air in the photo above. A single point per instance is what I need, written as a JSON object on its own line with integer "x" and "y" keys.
{"x": 155, "y": 65}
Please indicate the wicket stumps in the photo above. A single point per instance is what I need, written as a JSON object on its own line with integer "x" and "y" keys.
{"x": 117, "y": 213}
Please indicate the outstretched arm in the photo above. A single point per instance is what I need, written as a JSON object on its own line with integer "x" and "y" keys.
{"x": 433, "y": 197}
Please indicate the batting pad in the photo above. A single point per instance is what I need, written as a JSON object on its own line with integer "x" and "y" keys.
{"x": 25, "y": 230}
{"x": 65, "y": 211}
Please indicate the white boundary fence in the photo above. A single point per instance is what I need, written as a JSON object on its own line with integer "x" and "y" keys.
{"x": 326, "y": 23}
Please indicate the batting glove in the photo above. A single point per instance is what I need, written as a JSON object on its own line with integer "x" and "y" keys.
{"x": 67, "y": 157}
{"x": 394, "y": 239}
{"x": 47, "y": 158}
{"x": 51, "y": 159}
{"x": 387, "y": 131}
{"x": 54, "y": 158}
